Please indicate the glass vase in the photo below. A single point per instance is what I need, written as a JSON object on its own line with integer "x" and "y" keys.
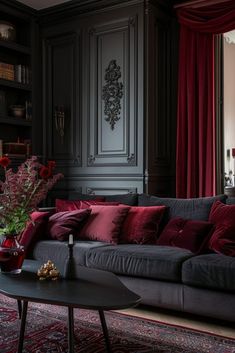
{"x": 11, "y": 255}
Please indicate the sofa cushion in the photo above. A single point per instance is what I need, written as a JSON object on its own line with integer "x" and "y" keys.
{"x": 196, "y": 208}
{"x": 34, "y": 230}
{"x": 104, "y": 223}
{"x": 61, "y": 224}
{"x": 184, "y": 233}
{"x": 141, "y": 225}
{"x": 57, "y": 251}
{"x": 148, "y": 261}
{"x": 125, "y": 199}
{"x": 72, "y": 205}
{"x": 223, "y": 237}
{"x": 213, "y": 271}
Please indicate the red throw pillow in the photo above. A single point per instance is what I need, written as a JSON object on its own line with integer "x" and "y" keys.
{"x": 34, "y": 230}
{"x": 104, "y": 223}
{"x": 61, "y": 224}
{"x": 142, "y": 224}
{"x": 223, "y": 237}
{"x": 68, "y": 205}
{"x": 186, "y": 234}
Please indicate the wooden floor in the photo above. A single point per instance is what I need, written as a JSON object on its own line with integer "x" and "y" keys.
{"x": 203, "y": 324}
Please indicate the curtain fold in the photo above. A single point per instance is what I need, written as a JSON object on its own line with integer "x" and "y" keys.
{"x": 196, "y": 145}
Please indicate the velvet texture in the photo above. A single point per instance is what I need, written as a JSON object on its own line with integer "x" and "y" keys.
{"x": 61, "y": 224}
{"x": 196, "y": 129}
{"x": 104, "y": 223}
{"x": 223, "y": 238}
{"x": 186, "y": 234}
{"x": 141, "y": 225}
{"x": 35, "y": 229}
{"x": 72, "y": 205}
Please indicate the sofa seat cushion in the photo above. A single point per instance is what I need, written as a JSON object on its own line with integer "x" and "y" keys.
{"x": 58, "y": 251}
{"x": 148, "y": 261}
{"x": 213, "y": 271}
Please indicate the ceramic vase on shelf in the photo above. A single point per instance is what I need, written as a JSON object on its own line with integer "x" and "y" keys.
{"x": 11, "y": 255}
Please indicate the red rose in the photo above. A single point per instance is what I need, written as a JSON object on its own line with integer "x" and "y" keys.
{"x": 51, "y": 164}
{"x": 4, "y": 162}
{"x": 45, "y": 173}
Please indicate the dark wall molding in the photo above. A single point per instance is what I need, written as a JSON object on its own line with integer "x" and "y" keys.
{"x": 84, "y": 7}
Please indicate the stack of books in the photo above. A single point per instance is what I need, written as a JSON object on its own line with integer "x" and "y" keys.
{"x": 19, "y": 73}
{"x": 7, "y": 71}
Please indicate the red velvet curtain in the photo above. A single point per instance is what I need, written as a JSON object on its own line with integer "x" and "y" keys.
{"x": 196, "y": 145}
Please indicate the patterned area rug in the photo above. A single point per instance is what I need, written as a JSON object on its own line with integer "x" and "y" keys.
{"x": 46, "y": 332}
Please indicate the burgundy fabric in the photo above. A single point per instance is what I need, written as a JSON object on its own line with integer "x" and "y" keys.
{"x": 104, "y": 223}
{"x": 69, "y": 205}
{"x": 61, "y": 224}
{"x": 34, "y": 230}
{"x": 142, "y": 224}
{"x": 196, "y": 128}
{"x": 223, "y": 237}
{"x": 187, "y": 234}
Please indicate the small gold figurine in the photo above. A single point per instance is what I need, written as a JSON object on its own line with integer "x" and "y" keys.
{"x": 48, "y": 271}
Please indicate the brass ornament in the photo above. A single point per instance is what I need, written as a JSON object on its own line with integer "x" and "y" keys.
{"x": 48, "y": 271}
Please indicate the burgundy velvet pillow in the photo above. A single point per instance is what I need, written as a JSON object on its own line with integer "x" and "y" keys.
{"x": 34, "y": 230}
{"x": 104, "y": 223}
{"x": 61, "y": 224}
{"x": 68, "y": 205}
{"x": 186, "y": 234}
{"x": 141, "y": 224}
{"x": 223, "y": 237}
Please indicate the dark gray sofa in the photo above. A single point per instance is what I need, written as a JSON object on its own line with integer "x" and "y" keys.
{"x": 164, "y": 276}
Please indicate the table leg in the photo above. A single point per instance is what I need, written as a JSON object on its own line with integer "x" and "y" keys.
{"x": 22, "y": 326}
{"x": 19, "y": 308}
{"x": 70, "y": 330}
{"x": 105, "y": 331}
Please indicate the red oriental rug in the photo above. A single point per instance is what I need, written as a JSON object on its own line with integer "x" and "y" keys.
{"x": 46, "y": 332}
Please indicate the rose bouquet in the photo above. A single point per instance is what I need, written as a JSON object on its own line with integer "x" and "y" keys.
{"x": 22, "y": 191}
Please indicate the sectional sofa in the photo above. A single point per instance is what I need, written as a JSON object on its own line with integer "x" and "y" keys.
{"x": 164, "y": 276}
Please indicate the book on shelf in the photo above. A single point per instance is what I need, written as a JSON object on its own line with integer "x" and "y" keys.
{"x": 22, "y": 74}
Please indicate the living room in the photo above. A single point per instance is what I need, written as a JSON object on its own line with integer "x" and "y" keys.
{"x": 93, "y": 85}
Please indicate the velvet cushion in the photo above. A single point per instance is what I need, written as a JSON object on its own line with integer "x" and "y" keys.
{"x": 61, "y": 224}
{"x": 104, "y": 223}
{"x": 223, "y": 238}
{"x": 141, "y": 225}
{"x": 35, "y": 229}
{"x": 186, "y": 234}
{"x": 71, "y": 205}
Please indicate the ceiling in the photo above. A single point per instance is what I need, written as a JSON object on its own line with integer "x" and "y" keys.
{"x": 42, "y": 4}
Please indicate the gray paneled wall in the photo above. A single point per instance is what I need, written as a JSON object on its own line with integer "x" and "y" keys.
{"x": 110, "y": 72}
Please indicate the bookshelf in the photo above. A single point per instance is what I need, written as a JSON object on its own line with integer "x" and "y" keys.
{"x": 16, "y": 83}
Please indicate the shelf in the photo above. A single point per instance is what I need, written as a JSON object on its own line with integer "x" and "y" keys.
{"x": 14, "y": 84}
{"x": 14, "y": 121}
{"x": 15, "y": 46}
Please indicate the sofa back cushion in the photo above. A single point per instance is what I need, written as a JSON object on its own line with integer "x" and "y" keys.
{"x": 34, "y": 230}
{"x": 187, "y": 234}
{"x": 141, "y": 225}
{"x": 104, "y": 223}
{"x": 194, "y": 209}
{"x": 69, "y": 205}
{"x": 223, "y": 238}
{"x": 125, "y": 199}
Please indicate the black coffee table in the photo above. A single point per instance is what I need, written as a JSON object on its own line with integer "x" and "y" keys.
{"x": 94, "y": 289}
